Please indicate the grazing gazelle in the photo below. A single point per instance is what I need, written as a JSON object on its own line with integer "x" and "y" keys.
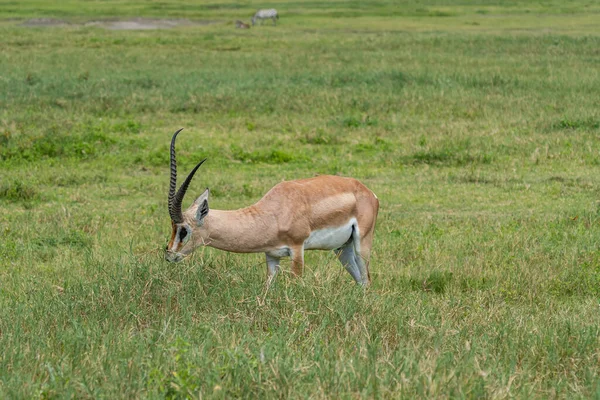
{"x": 240, "y": 25}
{"x": 325, "y": 213}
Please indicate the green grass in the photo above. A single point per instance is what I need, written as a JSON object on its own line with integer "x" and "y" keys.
{"x": 475, "y": 123}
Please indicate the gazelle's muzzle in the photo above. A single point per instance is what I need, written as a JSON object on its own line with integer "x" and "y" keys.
{"x": 173, "y": 257}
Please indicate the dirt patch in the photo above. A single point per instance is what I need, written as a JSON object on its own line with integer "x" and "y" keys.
{"x": 120, "y": 24}
{"x": 49, "y": 22}
{"x": 146, "y": 23}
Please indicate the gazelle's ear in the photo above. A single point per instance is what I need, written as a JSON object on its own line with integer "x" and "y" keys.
{"x": 202, "y": 203}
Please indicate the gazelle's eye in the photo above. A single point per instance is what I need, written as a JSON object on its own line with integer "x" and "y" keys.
{"x": 182, "y": 234}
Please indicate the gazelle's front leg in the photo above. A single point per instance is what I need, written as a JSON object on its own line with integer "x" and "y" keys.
{"x": 297, "y": 260}
{"x": 272, "y": 267}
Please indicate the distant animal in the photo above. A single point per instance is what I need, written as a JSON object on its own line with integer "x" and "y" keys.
{"x": 265, "y": 14}
{"x": 321, "y": 213}
{"x": 240, "y": 25}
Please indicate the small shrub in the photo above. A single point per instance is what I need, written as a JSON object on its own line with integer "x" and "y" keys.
{"x": 320, "y": 137}
{"x": 355, "y": 122}
{"x": 18, "y": 191}
{"x": 452, "y": 154}
{"x": 31, "y": 79}
{"x": 84, "y": 76}
{"x": 573, "y": 124}
{"x": 351, "y": 122}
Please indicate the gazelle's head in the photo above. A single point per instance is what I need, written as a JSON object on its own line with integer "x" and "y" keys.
{"x": 187, "y": 227}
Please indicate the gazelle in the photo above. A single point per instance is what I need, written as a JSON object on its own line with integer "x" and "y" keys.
{"x": 324, "y": 213}
{"x": 240, "y": 25}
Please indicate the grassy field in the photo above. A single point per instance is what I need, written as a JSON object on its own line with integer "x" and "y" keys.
{"x": 477, "y": 124}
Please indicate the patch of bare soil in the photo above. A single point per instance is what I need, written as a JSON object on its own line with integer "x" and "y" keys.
{"x": 37, "y": 22}
{"x": 119, "y": 24}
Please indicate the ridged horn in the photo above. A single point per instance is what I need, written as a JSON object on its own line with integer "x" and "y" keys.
{"x": 175, "y": 199}
{"x": 181, "y": 193}
{"x": 176, "y": 217}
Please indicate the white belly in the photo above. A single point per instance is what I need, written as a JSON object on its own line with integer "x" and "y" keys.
{"x": 330, "y": 238}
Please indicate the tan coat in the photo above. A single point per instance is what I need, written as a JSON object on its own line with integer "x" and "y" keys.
{"x": 325, "y": 212}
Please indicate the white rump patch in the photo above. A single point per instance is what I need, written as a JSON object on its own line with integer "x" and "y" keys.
{"x": 330, "y": 238}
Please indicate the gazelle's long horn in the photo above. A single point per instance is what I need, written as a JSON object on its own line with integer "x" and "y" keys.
{"x": 181, "y": 192}
{"x": 174, "y": 212}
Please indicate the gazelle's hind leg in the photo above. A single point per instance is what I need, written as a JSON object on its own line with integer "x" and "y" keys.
{"x": 366, "y": 228}
{"x": 353, "y": 260}
{"x": 365, "y": 253}
{"x": 347, "y": 257}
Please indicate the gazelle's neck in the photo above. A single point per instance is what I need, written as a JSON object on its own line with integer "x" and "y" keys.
{"x": 240, "y": 231}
